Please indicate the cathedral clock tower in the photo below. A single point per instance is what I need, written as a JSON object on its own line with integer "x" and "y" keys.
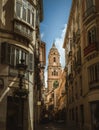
{"x": 54, "y": 68}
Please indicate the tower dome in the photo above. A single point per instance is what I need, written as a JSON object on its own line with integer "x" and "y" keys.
{"x": 53, "y": 50}
{"x": 54, "y": 67}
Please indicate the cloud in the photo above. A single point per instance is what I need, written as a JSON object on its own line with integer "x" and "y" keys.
{"x": 42, "y": 35}
{"x": 59, "y": 43}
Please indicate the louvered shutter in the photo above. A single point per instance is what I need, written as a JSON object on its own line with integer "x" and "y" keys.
{"x": 5, "y": 53}
{"x": 31, "y": 62}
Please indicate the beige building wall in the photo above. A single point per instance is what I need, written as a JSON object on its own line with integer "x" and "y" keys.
{"x": 17, "y": 40}
{"x": 61, "y": 92}
{"x": 82, "y": 60}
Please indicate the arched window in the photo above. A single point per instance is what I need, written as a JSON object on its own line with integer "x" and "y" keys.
{"x": 54, "y": 59}
{"x": 54, "y": 72}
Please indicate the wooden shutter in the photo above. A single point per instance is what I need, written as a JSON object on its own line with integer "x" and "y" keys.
{"x": 5, "y": 53}
{"x": 31, "y": 62}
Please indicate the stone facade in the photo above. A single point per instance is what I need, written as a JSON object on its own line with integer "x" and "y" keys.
{"x": 81, "y": 46}
{"x": 18, "y": 37}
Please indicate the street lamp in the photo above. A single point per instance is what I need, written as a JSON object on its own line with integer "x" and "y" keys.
{"x": 21, "y": 92}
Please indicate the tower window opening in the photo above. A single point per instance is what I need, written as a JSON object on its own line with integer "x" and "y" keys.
{"x": 54, "y": 59}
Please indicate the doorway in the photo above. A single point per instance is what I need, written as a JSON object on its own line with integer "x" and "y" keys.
{"x": 12, "y": 113}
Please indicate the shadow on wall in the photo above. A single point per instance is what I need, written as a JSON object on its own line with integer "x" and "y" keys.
{"x": 8, "y": 14}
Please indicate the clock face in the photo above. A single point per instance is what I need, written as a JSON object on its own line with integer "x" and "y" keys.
{"x": 55, "y": 84}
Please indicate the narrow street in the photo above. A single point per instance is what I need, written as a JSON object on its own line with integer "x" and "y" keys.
{"x": 56, "y": 126}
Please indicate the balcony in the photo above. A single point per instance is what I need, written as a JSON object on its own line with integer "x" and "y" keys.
{"x": 90, "y": 48}
{"x": 89, "y": 14}
{"x": 23, "y": 30}
{"x": 94, "y": 84}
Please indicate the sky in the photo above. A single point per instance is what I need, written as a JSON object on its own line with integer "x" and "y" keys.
{"x": 53, "y": 26}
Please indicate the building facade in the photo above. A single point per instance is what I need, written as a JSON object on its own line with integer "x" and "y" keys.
{"x": 81, "y": 46}
{"x": 19, "y": 24}
{"x": 61, "y": 101}
{"x": 40, "y": 62}
{"x": 54, "y": 71}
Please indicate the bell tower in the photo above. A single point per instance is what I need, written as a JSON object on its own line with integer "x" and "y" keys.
{"x": 54, "y": 67}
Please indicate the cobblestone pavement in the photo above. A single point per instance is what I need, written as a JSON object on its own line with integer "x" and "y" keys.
{"x": 56, "y": 126}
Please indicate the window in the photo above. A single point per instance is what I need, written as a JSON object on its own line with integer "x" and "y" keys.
{"x": 12, "y": 55}
{"x": 25, "y": 11}
{"x": 32, "y": 19}
{"x": 55, "y": 73}
{"x": 31, "y": 64}
{"x": 92, "y": 35}
{"x": 8, "y": 54}
{"x": 17, "y": 56}
{"x": 18, "y": 9}
{"x": 23, "y": 55}
{"x": 94, "y": 106}
{"x": 54, "y": 59}
{"x": 94, "y": 73}
{"x": 28, "y": 16}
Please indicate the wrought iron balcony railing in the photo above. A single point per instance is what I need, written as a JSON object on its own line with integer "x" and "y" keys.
{"x": 90, "y": 48}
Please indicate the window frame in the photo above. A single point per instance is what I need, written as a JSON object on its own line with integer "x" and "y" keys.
{"x": 91, "y": 35}
{"x": 10, "y": 57}
{"x": 20, "y": 14}
{"x": 93, "y": 75}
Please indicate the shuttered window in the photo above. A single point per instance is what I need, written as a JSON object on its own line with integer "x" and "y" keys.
{"x": 92, "y": 35}
{"x": 5, "y": 53}
{"x": 25, "y": 11}
{"x": 12, "y": 55}
{"x": 18, "y": 9}
{"x": 31, "y": 62}
{"x": 93, "y": 74}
